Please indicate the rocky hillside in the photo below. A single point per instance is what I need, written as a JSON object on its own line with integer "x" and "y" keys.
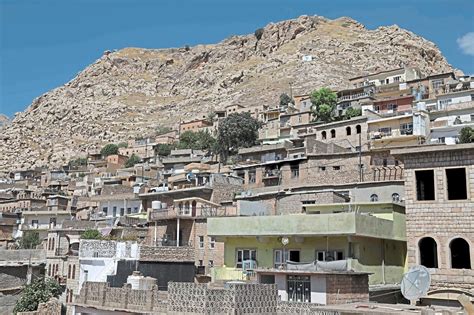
{"x": 133, "y": 91}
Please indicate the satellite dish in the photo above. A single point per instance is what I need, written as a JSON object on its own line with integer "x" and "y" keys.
{"x": 285, "y": 241}
{"x": 416, "y": 282}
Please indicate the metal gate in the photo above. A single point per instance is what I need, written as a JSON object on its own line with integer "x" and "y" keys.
{"x": 299, "y": 289}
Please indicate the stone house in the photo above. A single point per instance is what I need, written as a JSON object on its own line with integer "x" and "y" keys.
{"x": 386, "y": 77}
{"x": 439, "y": 189}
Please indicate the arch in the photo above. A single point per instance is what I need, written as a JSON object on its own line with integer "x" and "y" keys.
{"x": 374, "y": 198}
{"x": 396, "y": 197}
{"x": 428, "y": 252}
{"x": 333, "y": 133}
{"x": 460, "y": 254}
{"x": 52, "y": 244}
{"x": 358, "y": 129}
{"x": 348, "y": 130}
{"x": 323, "y": 135}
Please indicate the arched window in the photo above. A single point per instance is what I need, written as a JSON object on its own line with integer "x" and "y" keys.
{"x": 428, "y": 252}
{"x": 52, "y": 244}
{"x": 395, "y": 197}
{"x": 323, "y": 135}
{"x": 73, "y": 275}
{"x": 358, "y": 129}
{"x": 348, "y": 131}
{"x": 374, "y": 197}
{"x": 333, "y": 133}
{"x": 460, "y": 256}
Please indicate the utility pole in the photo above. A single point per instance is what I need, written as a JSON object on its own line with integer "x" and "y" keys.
{"x": 360, "y": 157}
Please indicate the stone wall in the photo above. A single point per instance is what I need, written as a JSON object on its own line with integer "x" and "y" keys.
{"x": 343, "y": 289}
{"x": 224, "y": 188}
{"x": 52, "y": 307}
{"x": 441, "y": 219}
{"x": 194, "y": 298}
{"x": 107, "y": 249}
{"x": 166, "y": 253}
{"x": 22, "y": 255}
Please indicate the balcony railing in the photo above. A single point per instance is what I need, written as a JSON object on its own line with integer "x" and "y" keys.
{"x": 376, "y": 135}
{"x": 196, "y": 212}
{"x": 353, "y": 96}
{"x": 269, "y": 174}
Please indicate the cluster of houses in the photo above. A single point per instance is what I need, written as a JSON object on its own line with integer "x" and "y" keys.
{"x": 315, "y": 208}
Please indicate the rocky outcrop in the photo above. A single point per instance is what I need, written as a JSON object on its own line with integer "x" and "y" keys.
{"x": 130, "y": 92}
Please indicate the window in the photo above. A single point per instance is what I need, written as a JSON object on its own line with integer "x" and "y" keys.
{"x": 201, "y": 241}
{"x": 135, "y": 209}
{"x": 323, "y": 135}
{"x": 73, "y": 275}
{"x": 212, "y": 242}
{"x": 374, "y": 198}
{"x": 358, "y": 129}
{"x": 444, "y": 103}
{"x": 52, "y": 222}
{"x": 245, "y": 254}
{"x": 428, "y": 252}
{"x": 129, "y": 210}
{"x": 329, "y": 255}
{"x": 122, "y": 212}
{"x": 200, "y": 262}
{"x": 456, "y": 183}
{"x": 437, "y": 83}
{"x": 295, "y": 171}
{"x": 105, "y": 210}
{"x": 397, "y": 78}
{"x": 211, "y": 263}
{"x": 69, "y": 271}
{"x": 114, "y": 212}
{"x": 348, "y": 131}
{"x": 290, "y": 255}
{"x": 425, "y": 189}
{"x": 395, "y": 197}
{"x": 252, "y": 176}
{"x": 460, "y": 256}
{"x": 322, "y": 168}
{"x": 333, "y": 133}
{"x": 384, "y": 162}
{"x": 34, "y": 223}
{"x": 336, "y": 168}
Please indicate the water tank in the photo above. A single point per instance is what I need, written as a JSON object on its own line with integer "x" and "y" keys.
{"x": 156, "y": 205}
{"x": 164, "y": 205}
{"x": 147, "y": 283}
{"x": 134, "y": 280}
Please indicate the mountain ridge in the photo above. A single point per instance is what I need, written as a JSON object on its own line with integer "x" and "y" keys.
{"x": 131, "y": 92}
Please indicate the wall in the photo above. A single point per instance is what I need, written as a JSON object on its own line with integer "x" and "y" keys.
{"x": 441, "y": 219}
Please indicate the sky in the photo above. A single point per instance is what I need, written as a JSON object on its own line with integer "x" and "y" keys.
{"x": 45, "y": 43}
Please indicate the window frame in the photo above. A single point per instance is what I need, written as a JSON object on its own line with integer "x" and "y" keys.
{"x": 466, "y": 179}
{"x": 415, "y": 190}
{"x": 237, "y": 250}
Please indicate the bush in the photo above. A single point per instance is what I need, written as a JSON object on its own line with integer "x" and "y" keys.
{"x": 164, "y": 149}
{"x": 77, "y": 162}
{"x": 30, "y": 240}
{"x": 122, "y": 145}
{"x": 39, "y": 291}
{"x": 91, "y": 234}
{"x": 109, "y": 149}
{"x": 132, "y": 161}
{"x": 352, "y": 112}
{"x": 324, "y": 102}
{"x": 285, "y": 99}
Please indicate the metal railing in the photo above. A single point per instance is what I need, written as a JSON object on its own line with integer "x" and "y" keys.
{"x": 196, "y": 212}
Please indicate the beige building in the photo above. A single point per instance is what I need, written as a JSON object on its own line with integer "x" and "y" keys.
{"x": 439, "y": 187}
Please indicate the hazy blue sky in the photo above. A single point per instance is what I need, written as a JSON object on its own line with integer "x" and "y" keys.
{"x": 44, "y": 43}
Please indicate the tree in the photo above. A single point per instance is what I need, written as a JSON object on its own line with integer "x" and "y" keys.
{"x": 324, "y": 102}
{"x": 30, "y": 240}
{"x": 352, "y": 112}
{"x": 39, "y": 291}
{"x": 91, "y": 234}
{"x": 466, "y": 135}
{"x": 285, "y": 99}
{"x": 132, "y": 160}
{"x": 77, "y": 162}
{"x": 164, "y": 149}
{"x": 122, "y": 145}
{"x": 201, "y": 140}
{"x": 160, "y": 130}
{"x": 238, "y": 130}
{"x": 259, "y": 33}
{"x": 109, "y": 149}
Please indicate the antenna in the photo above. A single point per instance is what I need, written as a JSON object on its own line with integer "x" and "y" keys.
{"x": 415, "y": 283}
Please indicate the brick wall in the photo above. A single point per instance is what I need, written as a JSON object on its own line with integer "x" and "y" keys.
{"x": 342, "y": 289}
{"x": 166, "y": 253}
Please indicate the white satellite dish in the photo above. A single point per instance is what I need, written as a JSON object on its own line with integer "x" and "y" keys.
{"x": 415, "y": 283}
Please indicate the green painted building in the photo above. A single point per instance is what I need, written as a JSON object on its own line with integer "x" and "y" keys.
{"x": 370, "y": 237}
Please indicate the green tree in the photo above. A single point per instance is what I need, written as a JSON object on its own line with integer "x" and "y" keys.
{"x": 352, "y": 112}
{"x": 466, "y": 135}
{"x": 324, "y": 102}
{"x": 160, "y": 130}
{"x": 77, "y": 163}
{"x": 201, "y": 140}
{"x": 29, "y": 240}
{"x": 109, "y": 149}
{"x": 285, "y": 99}
{"x": 132, "y": 160}
{"x": 164, "y": 149}
{"x": 122, "y": 145}
{"x": 91, "y": 234}
{"x": 39, "y": 291}
{"x": 238, "y": 130}
{"x": 259, "y": 33}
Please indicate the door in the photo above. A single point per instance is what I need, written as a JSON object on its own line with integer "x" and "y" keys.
{"x": 299, "y": 288}
{"x": 193, "y": 208}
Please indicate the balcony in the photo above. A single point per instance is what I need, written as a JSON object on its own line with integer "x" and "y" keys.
{"x": 353, "y": 96}
{"x": 197, "y": 212}
{"x": 389, "y": 133}
{"x": 271, "y": 174}
{"x": 348, "y": 223}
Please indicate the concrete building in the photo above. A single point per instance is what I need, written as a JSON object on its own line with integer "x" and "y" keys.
{"x": 439, "y": 188}
{"x": 364, "y": 237}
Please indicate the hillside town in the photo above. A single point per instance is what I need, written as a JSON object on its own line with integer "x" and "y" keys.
{"x": 321, "y": 203}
